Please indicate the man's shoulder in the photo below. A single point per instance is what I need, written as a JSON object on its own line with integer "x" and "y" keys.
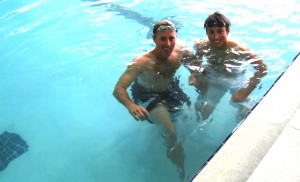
{"x": 200, "y": 45}
{"x": 202, "y": 42}
{"x": 142, "y": 59}
{"x": 238, "y": 45}
{"x": 181, "y": 48}
{"x": 180, "y": 45}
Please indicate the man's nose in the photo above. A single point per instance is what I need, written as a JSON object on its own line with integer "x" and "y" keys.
{"x": 168, "y": 42}
{"x": 215, "y": 35}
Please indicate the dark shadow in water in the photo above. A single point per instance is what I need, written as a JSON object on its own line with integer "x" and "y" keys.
{"x": 132, "y": 15}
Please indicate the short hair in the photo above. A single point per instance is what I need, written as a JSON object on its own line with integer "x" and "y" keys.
{"x": 163, "y": 22}
{"x": 217, "y": 17}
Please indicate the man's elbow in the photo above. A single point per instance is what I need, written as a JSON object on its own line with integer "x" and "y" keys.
{"x": 118, "y": 92}
{"x": 115, "y": 92}
{"x": 263, "y": 69}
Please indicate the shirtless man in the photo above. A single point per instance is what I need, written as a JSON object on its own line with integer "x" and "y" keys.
{"x": 224, "y": 66}
{"x": 155, "y": 89}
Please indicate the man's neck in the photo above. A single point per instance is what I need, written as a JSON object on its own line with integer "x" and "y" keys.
{"x": 160, "y": 57}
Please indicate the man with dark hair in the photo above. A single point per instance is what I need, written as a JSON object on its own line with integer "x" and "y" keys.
{"x": 218, "y": 19}
{"x": 224, "y": 67}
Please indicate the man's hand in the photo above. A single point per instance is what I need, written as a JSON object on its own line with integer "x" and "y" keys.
{"x": 199, "y": 82}
{"x": 240, "y": 95}
{"x": 138, "y": 112}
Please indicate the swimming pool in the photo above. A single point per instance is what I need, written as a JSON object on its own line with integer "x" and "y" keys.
{"x": 61, "y": 60}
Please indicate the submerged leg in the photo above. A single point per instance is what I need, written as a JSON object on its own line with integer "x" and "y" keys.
{"x": 176, "y": 155}
{"x": 243, "y": 111}
{"x": 160, "y": 115}
{"x": 204, "y": 110}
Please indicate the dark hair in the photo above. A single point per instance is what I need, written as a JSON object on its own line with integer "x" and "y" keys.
{"x": 163, "y": 22}
{"x": 217, "y": 18}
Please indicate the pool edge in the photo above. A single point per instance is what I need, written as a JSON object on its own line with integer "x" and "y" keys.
{"x": 244, "y": 150}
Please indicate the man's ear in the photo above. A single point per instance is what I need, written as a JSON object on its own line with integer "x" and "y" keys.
{"x": 227, "y": 30}
{"x": 153, "y": 37}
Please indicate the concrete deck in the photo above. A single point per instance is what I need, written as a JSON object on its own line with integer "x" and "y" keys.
{"x": 266, "y": 147}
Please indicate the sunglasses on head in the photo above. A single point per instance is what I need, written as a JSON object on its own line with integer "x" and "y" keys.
{"x": 215, "y": 23}
{"x": 165, "y": 27}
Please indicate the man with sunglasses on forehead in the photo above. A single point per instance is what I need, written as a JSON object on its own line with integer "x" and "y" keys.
{"x": 155, "y": 90}
{"x": 224, "y": 67}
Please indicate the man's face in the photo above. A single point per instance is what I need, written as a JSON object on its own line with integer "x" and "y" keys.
{"x": 217, "y": 36}
{"x": 165, "y": 41}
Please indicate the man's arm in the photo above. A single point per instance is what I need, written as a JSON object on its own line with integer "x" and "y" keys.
{"x": 261, "y": 68}
{"x": 193, "y": 63}
{"x": 124, "y": 82}
{"x": 120, "y": 93}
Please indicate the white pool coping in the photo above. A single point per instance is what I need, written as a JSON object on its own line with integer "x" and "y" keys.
{"x": 266, "y": 147}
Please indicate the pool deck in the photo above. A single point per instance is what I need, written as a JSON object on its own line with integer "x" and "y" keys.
{"x": 266, "y": 146}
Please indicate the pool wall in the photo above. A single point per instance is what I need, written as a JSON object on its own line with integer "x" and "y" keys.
{"x": 243, "y": 152}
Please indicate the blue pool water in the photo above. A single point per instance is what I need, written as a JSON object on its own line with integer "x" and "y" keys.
{"x": 61, "y": 60}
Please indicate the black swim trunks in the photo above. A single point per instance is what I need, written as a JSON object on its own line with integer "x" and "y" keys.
{"x": 173, "y": 98}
